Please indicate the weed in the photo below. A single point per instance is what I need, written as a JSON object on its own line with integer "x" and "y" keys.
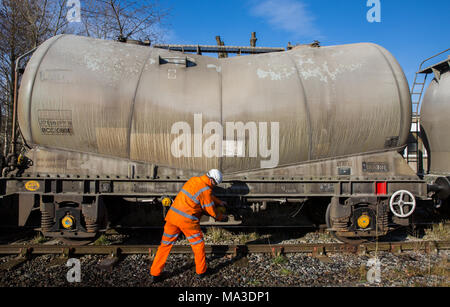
{"x": 218, "y": 235}
{"x": 255, "y": 283}
{"x": 246, "y": 237}
{"x": 280, "y": 260}
{"x": 439, "y": 232}
{"x": 39, "y": 239}
{"x": 102, "y": 240}
{"x": 285, "y": 271}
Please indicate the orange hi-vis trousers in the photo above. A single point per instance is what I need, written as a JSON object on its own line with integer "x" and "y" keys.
{"x": 195, "y": 237}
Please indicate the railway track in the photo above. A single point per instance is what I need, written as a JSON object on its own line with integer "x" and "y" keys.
{"x": 114, "y": 252}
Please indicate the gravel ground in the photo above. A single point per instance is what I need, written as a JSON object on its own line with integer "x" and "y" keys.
{"x": 221, "y": 236}
{"x": 258, "y": 270}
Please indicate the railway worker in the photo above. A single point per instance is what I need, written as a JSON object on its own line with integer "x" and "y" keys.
{"x": 184, "y": 216}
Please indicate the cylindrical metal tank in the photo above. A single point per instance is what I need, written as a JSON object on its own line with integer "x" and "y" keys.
{"x": 140, "y": 103}
{"x": 434, "y": 119}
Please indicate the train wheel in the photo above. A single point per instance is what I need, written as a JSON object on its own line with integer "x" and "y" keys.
{"x": 348, "y": 240}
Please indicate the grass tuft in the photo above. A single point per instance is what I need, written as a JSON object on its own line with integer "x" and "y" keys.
{"x": 285, "y": 271}
{"x": 102, "y": 240}
{"x": 439, "y": 232}
{"x": 39, "y": 239}
{"x": 218, "y": 235}
{"x": 243, "y": 238}
{"x": 280, "y": 260}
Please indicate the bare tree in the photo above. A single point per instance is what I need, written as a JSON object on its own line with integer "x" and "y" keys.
{"x": 123, "y": 19}
{"x": 44, "y": 18}
{"x": 24, "y": 24}
{"x": 12, "y": 31}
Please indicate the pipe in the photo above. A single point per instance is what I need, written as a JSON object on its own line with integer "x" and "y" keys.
{"x": 435, "y": 188}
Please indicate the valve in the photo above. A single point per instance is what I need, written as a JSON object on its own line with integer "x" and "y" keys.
{"x": 399, "y": 201}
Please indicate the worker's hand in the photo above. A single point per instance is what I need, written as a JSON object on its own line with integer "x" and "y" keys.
{"x": 221, "y": 209}
{"x": 222, "y": 218}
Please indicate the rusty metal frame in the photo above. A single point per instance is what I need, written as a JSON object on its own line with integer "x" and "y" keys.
{"x": 239, "y": 193}
{"x": 250, "y": 188}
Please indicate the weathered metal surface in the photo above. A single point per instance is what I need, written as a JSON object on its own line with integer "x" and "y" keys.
{"x": 59, "y": 163}
{"x": 434, "y": 119}
{"x": 121, "y": 100}
{"x": 346, "y": 176}
{"x": 269, "y": 189}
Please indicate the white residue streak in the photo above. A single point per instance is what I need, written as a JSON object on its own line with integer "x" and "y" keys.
{"x": 217, "y": 68}
{"x": 92, "y": 63}
{"x": 323, "y": 72}
{"x": 301, "y": 61}
{"x": 276, "y": 75}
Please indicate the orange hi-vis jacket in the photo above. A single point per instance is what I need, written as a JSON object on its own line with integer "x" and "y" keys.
{"x": 194, "y": 198}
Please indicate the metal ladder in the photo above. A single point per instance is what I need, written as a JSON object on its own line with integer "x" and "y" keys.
{"x": 416, "y": 99}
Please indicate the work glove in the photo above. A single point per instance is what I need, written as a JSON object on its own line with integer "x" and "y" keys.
{"x": 221, "y": 209}
{"x": 222, "y": 218}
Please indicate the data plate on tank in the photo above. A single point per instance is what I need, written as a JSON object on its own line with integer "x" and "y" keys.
{"x": 344, "y": 171}
{"x": 55, "y": 75}
{"x": 53, "y": 122}
{"x": 391, "y": 142}
{"x": 375, "y": 167}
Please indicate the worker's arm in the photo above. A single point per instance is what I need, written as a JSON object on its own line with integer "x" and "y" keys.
{"x": 208, "y": 203}
{"x": 218, "y": 201}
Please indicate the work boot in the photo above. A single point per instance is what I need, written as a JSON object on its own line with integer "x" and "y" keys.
{"x": 155, "y": 279}
{"x": 202, "y": 276}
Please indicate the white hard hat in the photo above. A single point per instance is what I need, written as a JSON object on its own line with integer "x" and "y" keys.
{"x": 216, "y": 175}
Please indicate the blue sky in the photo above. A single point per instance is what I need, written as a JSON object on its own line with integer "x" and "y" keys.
{"x": 411, "y": 30}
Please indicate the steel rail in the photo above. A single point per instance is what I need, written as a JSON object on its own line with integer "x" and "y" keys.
{"x": 316, "y": 248}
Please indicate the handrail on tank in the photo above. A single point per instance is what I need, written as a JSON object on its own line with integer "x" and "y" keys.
{"x": 16, "y": 81}
{"x": 436, "y": 55}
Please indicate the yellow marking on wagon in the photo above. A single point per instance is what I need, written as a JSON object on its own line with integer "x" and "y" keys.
{"x": 68, "y": 221}
{"x": 32, "y": 186}
{"x": 363, "y": 221}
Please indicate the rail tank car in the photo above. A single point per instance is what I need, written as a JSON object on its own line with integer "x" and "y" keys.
{"x": 108, "y": 121}
{"x": 434, "y": 118}
{"x": 122, "y": 101}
